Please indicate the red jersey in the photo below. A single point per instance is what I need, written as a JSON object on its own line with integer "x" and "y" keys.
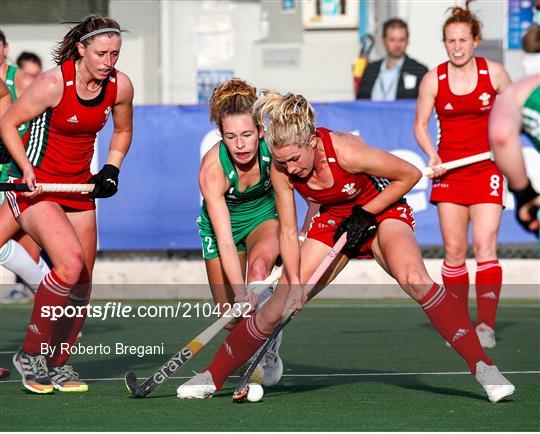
{"x": 60, "y": 142}
{"x": 463, "y": 131}
{"x": 348, "y": 189}
{"x": 337, "y": 201}
{"x": 463, "y": 119}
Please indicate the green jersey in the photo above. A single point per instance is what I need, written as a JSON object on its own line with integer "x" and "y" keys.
{"x": 247, "y": 209}
{"x": 10, "y": 82}
{"x": 531, "y": 117}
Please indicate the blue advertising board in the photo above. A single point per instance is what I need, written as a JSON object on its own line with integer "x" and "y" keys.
{"x": 520, "y": 17}
{"x": 158, "y": 200}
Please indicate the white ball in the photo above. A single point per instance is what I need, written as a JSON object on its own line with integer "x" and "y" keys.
{"x": 255, "y": 392}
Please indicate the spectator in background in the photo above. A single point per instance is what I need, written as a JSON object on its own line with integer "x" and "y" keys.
{"x": 29, "y": 63}
{"x": 397, "y": 76}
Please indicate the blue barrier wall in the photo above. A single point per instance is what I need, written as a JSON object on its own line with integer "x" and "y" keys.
{"x": 158, "y": 201}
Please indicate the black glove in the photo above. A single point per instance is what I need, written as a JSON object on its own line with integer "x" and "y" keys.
{"x": 523, "y": 197}
{"x": 106, "y": 182}
{"x": 360, "y": 227}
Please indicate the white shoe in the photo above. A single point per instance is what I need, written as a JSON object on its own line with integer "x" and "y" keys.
{"x": 17, "y": 295}
{"x": 273, "y": 365}
{"x": 495, "y": 384}
{"x": 486, "y": 335}
{"x": 199, "y": 387}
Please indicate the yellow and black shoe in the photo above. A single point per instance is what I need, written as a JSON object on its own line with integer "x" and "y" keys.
{"x": 34, "y": 372}
{"x": 65, "y": 379}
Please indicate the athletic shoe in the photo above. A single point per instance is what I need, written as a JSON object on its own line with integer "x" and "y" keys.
{"x": 17, "y": 295}
{"x": 199, "y": 387}
{"x": 34, "y": 372}
{"x": 495, "y": 384}
{"x": 486, "y": 335}
{"x": 65, "y": 379}
{"x": 273, "y": 365}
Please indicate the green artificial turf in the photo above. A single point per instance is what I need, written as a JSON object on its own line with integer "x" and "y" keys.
{"x": 340, "y": 360}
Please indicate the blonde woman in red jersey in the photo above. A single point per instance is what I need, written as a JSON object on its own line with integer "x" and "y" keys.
{"x": 68, "y": 104}
{"x": 463, "y": 91}
{"x": 360, "y": 191}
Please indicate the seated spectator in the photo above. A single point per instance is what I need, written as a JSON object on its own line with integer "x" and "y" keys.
{"x": 396, "y": 76}
{"x": 29, "y": 63}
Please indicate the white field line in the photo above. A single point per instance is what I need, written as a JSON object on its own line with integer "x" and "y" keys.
{"x": 328, "y": 375}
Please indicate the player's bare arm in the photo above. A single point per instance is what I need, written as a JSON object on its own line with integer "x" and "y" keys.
{"x": 123, "y": 121}
{"x": 504, "y": 130}
{"x": 500, "y": 79}
{"x": 288, "y": 230}
{"x": 424, "y": 108}
{"x": 355, "y": 156}
{"x": 213, "y": 185}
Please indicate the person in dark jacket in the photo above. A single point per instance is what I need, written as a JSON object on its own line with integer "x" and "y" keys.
{"x": 396, "y": 76}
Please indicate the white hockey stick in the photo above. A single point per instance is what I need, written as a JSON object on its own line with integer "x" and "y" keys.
{"x": 460, "y": 162}
{"x": 49, "y": 188}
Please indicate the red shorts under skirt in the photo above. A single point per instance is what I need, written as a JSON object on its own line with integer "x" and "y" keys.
{"x": 324, "y": 225}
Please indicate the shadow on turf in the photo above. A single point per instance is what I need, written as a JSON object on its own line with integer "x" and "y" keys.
{"x": 412, "y": 382}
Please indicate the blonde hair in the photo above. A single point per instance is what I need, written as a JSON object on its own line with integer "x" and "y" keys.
{"x": 234, "y": 97}
{"x": 286, "y": 119}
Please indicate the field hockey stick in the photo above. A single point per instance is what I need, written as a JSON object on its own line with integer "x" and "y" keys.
{"x": 459, "y": 163}
{"x": 242, "y": 389}
{"x": 192, "y": 347}
{"x": 49, "y": 188}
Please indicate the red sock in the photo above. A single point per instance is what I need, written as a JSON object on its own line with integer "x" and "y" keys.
{"x": 454, "y": 325}
{"x": 242, "y": 342}
{"x": 52, "y": 292}
{"x": 456, "y": 280}
{"x": 65, "y": 330}
{"x": 488, "y": 289}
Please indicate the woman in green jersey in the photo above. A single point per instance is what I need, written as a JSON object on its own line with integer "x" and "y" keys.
{"x": 238, "y": 223}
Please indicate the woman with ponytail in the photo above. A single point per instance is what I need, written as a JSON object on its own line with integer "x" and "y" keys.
{"x": 67, "y": 106}
{"x": 359, "y": 190}
{"x": 462, "y": 91}
{"x": 238, "y": 223}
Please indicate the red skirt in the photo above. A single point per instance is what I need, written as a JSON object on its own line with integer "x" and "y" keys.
{"x": 478, "y": 183}
{"x": 18, "y": 203}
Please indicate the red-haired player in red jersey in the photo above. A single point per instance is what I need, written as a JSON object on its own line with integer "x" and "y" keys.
{"x": 69, "y": 104}
{"x": 360, "y": 191}
{"x": 462, "y": 91}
